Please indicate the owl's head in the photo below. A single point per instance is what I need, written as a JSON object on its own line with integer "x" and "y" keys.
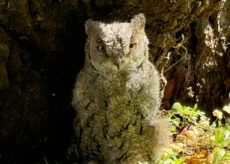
{"x": 118, "y": 46}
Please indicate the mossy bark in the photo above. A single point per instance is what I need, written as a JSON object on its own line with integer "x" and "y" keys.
{"x": 46, "y": 38}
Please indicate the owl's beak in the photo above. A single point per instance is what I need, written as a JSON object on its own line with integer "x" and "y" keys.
{"x": 118, "y": 62}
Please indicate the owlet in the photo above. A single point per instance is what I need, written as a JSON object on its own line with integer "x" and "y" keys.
{"x": 117, "y": 96}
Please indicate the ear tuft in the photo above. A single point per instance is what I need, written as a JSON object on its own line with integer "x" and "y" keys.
{"x": 88, "y": 26}
{"x": 139, "y": 21}
{"x": 92, "y": 26}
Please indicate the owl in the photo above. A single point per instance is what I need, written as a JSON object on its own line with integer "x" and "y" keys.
{"x": 117, "y": 96}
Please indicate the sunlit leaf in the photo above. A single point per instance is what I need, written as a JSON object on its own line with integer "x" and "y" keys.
{"x": 176, "y": 121}
{"x": 219, "y": 137}
{"x": 226, "y": 108}
{"x": 218, "y": 114}
{"x": 178, "y": 161}
{"x": 177, "y": 107}
{"x": 196, "y": 140}
{"x": 218, "y": 155}
{"x": 195, "y": 107}
{"x": 226, "y": 156}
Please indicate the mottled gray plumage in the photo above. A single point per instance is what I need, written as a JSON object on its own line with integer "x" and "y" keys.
{"x": 117, "y": 96}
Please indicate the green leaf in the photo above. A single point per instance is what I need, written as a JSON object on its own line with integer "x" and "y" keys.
{"x": 173, "y": 130}
{"x": 218, "y": 155}
{"x": 177, "y": 107}
{"x": 226, "y": 156}
{"x": 219, "y": 137}
{"x": 169, "y": 153}
{"x": 167, "y": 161}
{"x": 195, "y": 107}
{"x": 176, "y": 121}
{"x": 171, "y": 161}
{"x": 178, "y": 161}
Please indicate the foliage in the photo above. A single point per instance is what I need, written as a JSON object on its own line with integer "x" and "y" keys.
{"x": 195, "y": 139}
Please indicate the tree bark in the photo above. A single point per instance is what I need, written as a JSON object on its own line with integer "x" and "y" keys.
{"x": 42, "y": 50}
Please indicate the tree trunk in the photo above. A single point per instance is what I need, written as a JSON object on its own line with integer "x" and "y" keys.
{"x": 42, "y": 50}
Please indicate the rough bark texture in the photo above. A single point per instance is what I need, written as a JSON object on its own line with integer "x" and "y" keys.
{"x": 42, "y": 50}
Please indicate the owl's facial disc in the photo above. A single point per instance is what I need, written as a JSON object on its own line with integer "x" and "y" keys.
{"x": 116, "y": 47}
{"x": 116, "y": 52}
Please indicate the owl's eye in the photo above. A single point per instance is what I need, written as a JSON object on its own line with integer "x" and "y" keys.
{"x": 133, "y": 45}
{"x": 101, "y": 48}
